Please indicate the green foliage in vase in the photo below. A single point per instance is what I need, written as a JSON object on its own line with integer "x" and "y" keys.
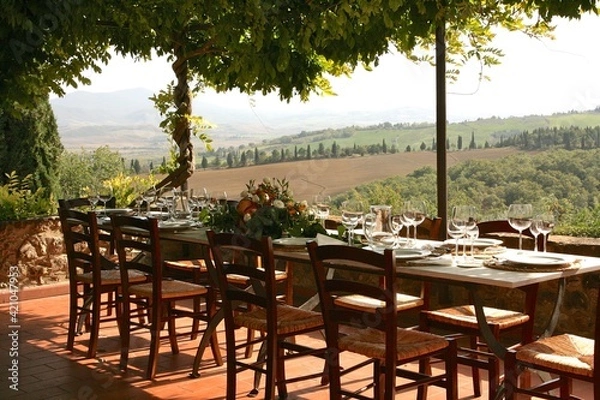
{"x": 266, "y": 209}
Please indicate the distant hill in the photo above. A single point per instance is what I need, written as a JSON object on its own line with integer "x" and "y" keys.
{"x": 127, "y": 121}
{"x": 122, "y": 118}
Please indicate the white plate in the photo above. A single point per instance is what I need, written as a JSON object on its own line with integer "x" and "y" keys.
{"x": 115, "y": 211}
{"x": 176, "y": 225}
{"x": 291, "y": 242}
{"x": 476, "y": 243}
{"x": 406, "y": 254}
{"x": 538, "y": 259}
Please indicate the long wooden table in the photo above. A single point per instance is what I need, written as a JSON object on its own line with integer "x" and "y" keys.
{"x": 470, "y": 278}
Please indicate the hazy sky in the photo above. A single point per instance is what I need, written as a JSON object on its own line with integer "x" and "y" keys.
{"x": 535, "y": 77}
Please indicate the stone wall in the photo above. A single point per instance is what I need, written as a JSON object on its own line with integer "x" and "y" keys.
{"x": 36, "y": 247}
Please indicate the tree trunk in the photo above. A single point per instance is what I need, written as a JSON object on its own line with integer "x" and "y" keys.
{"x": 182, "y": 134}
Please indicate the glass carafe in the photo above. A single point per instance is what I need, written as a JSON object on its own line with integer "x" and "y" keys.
{"x": 378, "y": 227}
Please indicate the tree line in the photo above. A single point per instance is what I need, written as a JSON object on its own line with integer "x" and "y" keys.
{"x": 568, "y": 138}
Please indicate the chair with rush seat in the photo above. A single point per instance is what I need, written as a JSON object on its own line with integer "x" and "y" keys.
{"x": 88, "y": 280}
{"x": 564, "y": 357}
{"x": 461, "y": 321}
{"x": 373, "y": 332}
{"x": 263, "y": 311}
{"x": 138, "y": 247}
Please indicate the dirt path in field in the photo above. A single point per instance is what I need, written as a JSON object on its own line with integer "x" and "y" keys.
{"x": 332, "y": 175}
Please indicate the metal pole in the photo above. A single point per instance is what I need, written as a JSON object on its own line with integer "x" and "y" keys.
{"x": 440, "y": 78}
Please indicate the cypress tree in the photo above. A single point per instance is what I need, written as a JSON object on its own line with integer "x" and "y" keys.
{"x": 30, "y": 144}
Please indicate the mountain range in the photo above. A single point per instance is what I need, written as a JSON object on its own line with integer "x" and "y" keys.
{"x": 126, "y": 120}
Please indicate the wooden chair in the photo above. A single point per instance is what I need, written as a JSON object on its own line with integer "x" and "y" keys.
{"x": 278, "y": 322}
{"x": 374, "y": 332}
{"x": 138, "y": 248}
{"x": 461, "y": 321}
{"x": 195, "y": 270}
{"x": 566, "y": 357}
{"x": 88, "y": 277}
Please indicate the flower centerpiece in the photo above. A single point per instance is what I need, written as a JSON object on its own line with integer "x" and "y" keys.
{"x": 269, "y": 209}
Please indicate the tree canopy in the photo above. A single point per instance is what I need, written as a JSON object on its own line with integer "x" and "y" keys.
{"x": 283, "y": 46}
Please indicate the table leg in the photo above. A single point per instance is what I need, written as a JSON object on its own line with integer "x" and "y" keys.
{"x": 211, "y": 329}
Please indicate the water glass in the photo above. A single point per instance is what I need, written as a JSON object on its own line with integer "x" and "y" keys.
{"x": 321, "y": 204}
{"x": 352, "y": 212}
{"x": 520, "y": 217}
{"x": 546, "y": 225}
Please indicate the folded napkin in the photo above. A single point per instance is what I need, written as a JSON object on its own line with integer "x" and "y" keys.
{"x": 324, "y": 239}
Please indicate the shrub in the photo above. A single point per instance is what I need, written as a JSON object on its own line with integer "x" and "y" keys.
{"x": 18, "y": 202}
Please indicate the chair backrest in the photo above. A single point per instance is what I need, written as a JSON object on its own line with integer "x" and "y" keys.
{"x": 487, "y": 228}
{"x": 82, "y": 243}
{"x": 138, "y": 247}
{"x": 81, "y": 202}
{"x": 430, "y": 228}
{"x": 236, "y": 258}
{"x": 372, "y": 267}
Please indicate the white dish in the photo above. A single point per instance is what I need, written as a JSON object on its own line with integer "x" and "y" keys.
{"x": 291, "y": 241}
{"x": 115, "y": 211}
{"x": 406, "y": 254}
{"x": 176, "y": 225}
{"x": 476, "y": 243}
{"x": 538, "y": 259}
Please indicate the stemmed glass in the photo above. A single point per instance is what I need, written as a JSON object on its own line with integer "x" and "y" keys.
{"x": 519, "y": 217}
{"x": 321, "y": 204}
{"x": 408, "y": 220}
{"x": 455, "y": 231}
{"x": 149, "y": 196}
{"x": 472, "y": 233}
{"x": 420, "y": 212}
{"x": 545, "y": 225}
{"x": 535, "y": 231}
{"x": 397, "y": 224}
{"x": 93, "y": 199}
{"x": 105, "y": 195}
{"x": 463, "y": 218}
{"x": 219, "y": 200}
{"x": 352, "y": 213}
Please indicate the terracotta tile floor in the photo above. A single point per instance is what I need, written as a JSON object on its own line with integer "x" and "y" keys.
{"x": 48, "y": 371}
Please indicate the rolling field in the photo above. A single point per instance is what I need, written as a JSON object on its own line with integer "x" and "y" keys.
{"x": 333, "y": 176}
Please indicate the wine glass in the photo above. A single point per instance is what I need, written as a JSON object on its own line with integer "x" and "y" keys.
{"x": 352, "y": 212}
{"x": 321, "y": 204}
{"x": 455, "y": 230}
{"x": 105, "y": 195}
{"x": 545, "y": 224}
{"x": 369, "y": 223}
{"x": 397, "y": 224}
{"x": 519, "y": 217}
{"x": 462, "y": 217}
{"x": 408, "y": 217}
{"x": 139, "y": 200}
{"x": 166, "y": 200}
{"x": 219, "y": 199}
{"x": 93, "y": 199}
{"x": 419, "y": 210}
{"x": 149, "y": 196}
{"x": 472, "y": 233}
{"x": 535, "y": 231}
